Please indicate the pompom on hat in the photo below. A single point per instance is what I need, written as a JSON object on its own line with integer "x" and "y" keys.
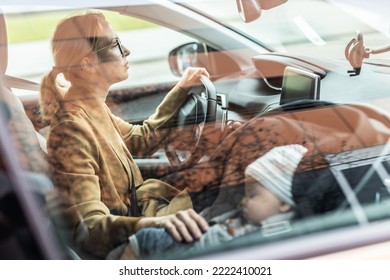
{"x": 275, "y": 170}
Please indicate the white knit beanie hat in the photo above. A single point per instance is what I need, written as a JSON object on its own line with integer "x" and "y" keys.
{"x": 275, "y": 170}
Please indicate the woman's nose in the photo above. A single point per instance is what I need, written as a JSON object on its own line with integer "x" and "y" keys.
{"x": 126, "y": 52}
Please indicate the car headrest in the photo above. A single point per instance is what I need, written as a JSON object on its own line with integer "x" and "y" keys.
{"x": 3, "y": 45}
{"x": 23, "y": 133}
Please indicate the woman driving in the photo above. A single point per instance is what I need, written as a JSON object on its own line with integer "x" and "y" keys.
{"x": 90, "y": 150}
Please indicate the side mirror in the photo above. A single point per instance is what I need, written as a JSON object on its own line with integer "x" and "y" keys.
{"x": 195, "y": 54}
{"x": 190, "y": 54}
{"x": 250, "y": 10}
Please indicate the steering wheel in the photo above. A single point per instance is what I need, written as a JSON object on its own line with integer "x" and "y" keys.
{"x": 200, "y": 108}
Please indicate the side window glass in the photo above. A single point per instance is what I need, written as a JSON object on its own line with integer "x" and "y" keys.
{"x": 30, "y": 55}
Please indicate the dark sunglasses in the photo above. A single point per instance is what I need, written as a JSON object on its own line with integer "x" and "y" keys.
{"x": 115, "y": 43}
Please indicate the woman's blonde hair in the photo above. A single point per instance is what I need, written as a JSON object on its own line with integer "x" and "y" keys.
{"x": 70, "y": 43}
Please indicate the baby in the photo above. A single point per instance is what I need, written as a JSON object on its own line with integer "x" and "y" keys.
{"x": 267, "y": 202}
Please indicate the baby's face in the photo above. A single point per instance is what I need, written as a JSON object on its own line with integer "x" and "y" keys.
{"x": 259, "y": 203}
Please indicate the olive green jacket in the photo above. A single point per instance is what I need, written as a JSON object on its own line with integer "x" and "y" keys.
{"x": 89, "y": 152}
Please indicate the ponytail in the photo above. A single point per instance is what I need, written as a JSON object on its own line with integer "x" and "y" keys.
{"x": 51, "y": 95}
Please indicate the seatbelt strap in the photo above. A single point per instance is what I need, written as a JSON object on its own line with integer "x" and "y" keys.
{"x": 134, "y": 210}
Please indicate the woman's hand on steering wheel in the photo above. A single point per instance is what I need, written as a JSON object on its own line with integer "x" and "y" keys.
{"x": 191, "y": 76}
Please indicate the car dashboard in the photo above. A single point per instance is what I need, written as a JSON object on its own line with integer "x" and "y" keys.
{"x": 257, "y": 90}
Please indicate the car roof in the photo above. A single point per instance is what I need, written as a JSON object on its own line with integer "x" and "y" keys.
{"x": 19, "y": 6}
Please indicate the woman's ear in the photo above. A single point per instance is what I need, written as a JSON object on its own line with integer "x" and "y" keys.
{"x": 284, "y": 207}
{"x": 87, "y": 65}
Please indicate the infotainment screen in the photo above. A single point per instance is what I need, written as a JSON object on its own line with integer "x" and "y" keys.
{"x": 299, "y": 84}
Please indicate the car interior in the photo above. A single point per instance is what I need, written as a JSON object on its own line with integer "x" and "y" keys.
{"x": 259, "y": 97}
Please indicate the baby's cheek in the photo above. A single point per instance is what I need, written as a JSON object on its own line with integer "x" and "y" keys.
{"x": 255, "y": 214}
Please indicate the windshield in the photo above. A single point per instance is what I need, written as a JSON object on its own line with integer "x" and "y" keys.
{"x": 321, "y": 28}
